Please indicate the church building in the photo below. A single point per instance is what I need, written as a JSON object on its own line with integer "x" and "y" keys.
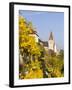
{"x": 48, "y": 45}
{"x": 51, "y": 43}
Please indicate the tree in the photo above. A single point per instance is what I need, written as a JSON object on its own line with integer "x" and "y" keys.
{"x": 61, "y": 53}
{"x": 54, "y": 65}
{"x": 26, "y": 41}
{"x": 29, "y": 49}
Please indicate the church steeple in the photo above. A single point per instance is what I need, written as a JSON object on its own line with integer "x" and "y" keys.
{"x": 51, "y": 36}
{"x": 51, "y": 42}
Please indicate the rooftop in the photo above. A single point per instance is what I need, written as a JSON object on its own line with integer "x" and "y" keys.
{"x": 51, "y": 36}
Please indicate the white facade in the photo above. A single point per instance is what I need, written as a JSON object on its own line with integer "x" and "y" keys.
{"x": 35, "y": 36}
{"x": 51, "y": 44}
{"x": 55, "y": 49}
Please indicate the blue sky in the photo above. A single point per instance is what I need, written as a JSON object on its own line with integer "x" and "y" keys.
{"x": 46, "y": 22}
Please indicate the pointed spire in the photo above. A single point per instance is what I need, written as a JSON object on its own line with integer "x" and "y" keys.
{"x": 51, "y": 36}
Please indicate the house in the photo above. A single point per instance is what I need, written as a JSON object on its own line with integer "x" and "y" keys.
{"x": 35, "y": 35}
{"x": 44, "y": 43}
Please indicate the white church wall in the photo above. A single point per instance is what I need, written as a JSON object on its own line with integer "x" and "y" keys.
{"x": 55, "y": 49}
{"x": 35, "y": 36}
{"x": 51, "y": 44}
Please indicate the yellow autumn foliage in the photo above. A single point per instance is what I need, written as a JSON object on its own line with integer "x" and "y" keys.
{"x": 34, "y": 74}
{"x": 57, "y": 73}
{"x": 25, "y": 40}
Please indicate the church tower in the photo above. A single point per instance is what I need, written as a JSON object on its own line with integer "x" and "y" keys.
{"x": 51, "y": 43}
